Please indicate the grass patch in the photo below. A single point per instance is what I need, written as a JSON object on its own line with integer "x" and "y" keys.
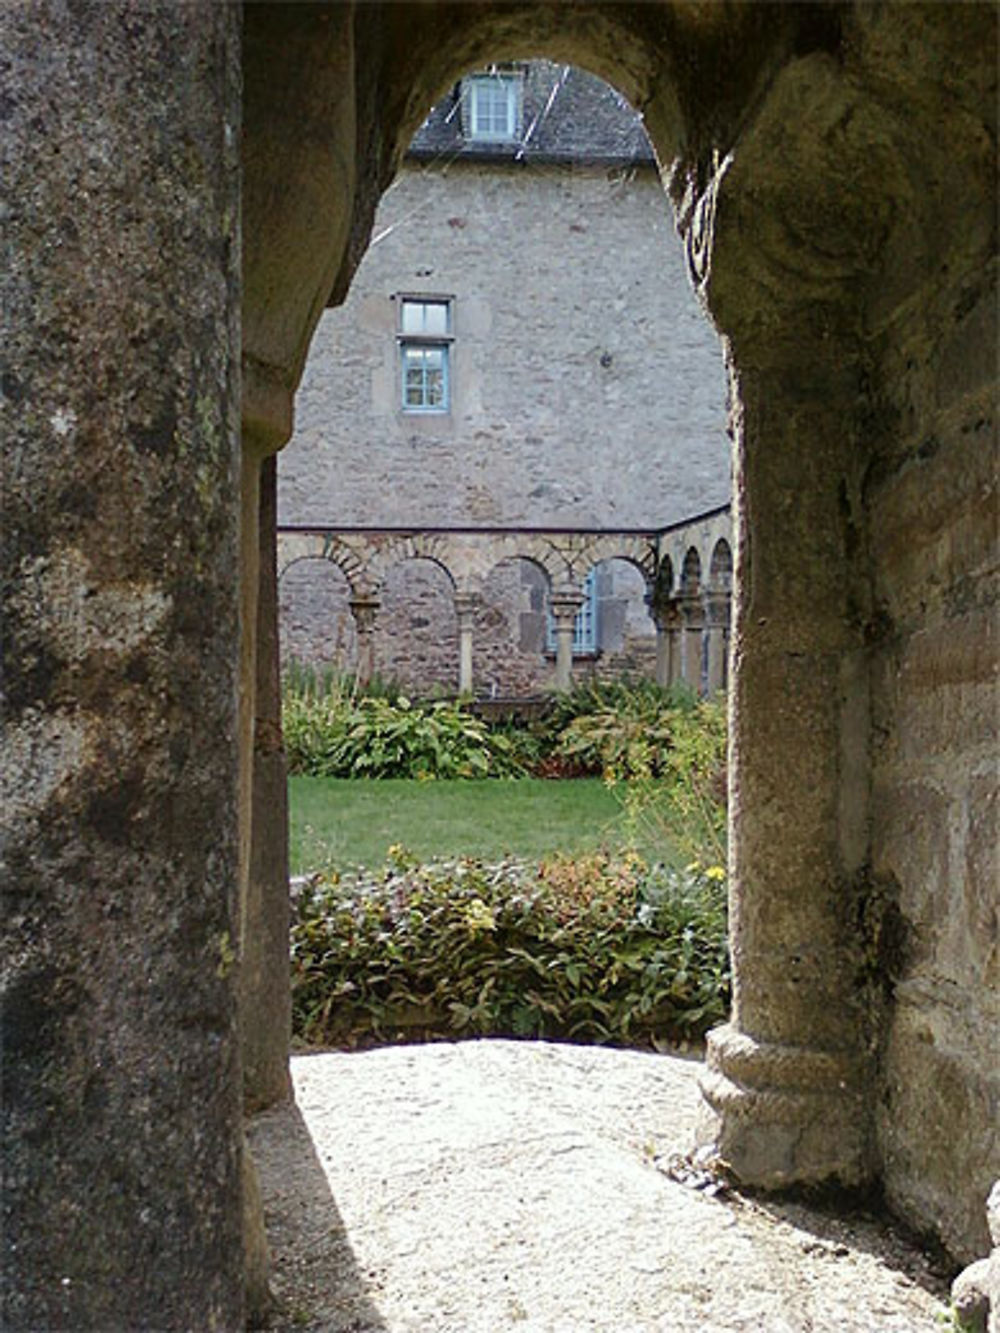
{"x": 346, "y": 822}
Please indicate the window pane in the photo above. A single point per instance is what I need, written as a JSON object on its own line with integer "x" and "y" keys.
{"x": 425, "y": 377}
{"x": 493, "y": 113}
{"x": 413, "y": 317}
{"x": 435, "y": 317}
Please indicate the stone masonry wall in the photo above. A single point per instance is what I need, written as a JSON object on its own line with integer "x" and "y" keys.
{"x": 933, "y": 504}
{"x": 583, "y": 370}
{"x": 588, "y": 386}
{"x": 416, "y": 643}
{"x": 315, "y": 621}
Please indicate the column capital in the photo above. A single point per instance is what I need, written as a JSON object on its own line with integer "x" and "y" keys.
{"x": 666, "y": 614}
{"x": 717, "y": 607}
{"x": 466, "y": 603}
{"x": 565, "y": 604}
{"x": 692, "y": 609}
{"x": 364, "y": 609}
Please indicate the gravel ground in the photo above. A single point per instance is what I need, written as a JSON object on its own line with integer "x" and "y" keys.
{"x": 493, "y": 1185}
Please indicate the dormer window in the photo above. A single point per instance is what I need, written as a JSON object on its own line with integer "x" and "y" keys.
{"x": 492, "y": 107}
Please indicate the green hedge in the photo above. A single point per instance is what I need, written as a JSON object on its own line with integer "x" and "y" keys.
{"x": 586, "y": 949}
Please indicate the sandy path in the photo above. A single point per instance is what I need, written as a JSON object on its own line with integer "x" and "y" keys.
{"x": 494, "y": 1185}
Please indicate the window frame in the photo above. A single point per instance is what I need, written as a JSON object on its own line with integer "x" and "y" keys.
{"x": 420, "y": 340}
{"x": 512, "y": 83}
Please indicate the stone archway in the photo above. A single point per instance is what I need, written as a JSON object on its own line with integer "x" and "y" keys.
{"x": 833, "y": 168}
{"x": 793, "y": 218}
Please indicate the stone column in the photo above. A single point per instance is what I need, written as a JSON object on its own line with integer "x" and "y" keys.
{"x": 786, "y": 1079}
{"x": 786, "y": 264}
{"x": 565, "y": 606}
{"x": 717, "y": 631}
{"x": 266, "y": 1008}
{"x": 667, "y": 621}
{"x": 364, "y": 609}
{"x": 465, "y": 610}
{"x": 692, "y": 614}
{"x": 122, "y": 1092}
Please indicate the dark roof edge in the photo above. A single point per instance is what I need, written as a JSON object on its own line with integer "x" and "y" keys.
{"x": 481, "y": 155}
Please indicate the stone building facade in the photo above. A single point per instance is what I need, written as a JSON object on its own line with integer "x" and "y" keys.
{"x": 568, "y": 381}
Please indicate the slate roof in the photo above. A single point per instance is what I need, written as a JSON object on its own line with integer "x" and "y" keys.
{"x": 569, "y": 116}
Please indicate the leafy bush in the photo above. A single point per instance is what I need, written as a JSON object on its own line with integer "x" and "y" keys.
{"x": 585, "y": 949}
{"x": 335, "y": 735}
{"x": 680, "y": 799}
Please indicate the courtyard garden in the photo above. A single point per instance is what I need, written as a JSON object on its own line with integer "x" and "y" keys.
{"x": 557, "y": 878}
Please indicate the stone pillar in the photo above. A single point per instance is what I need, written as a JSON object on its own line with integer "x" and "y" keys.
{"x": 364, "y": 609}
{"x": 565, "y": 606}
{"x": 717, "y": 631}
{"x": 465, "y": 610}
{"x": 667, "y": 621}
{"x": 121, "y": 1120}
{"x": 692, "y": 614}
{"x": 266, "y": 1008}
{"x": 787, "y": 1081}
{"x": 785, "y": 264}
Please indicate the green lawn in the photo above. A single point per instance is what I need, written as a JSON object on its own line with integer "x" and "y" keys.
{"x": 346, "y": 822}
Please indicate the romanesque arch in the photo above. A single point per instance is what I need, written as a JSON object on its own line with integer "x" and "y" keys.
{"x": 418, "y": 612}
{"x": 833, "y": 171}
{"x": 720, "y": 569}
{"x": 510, "y": 638}
{"x": 838, "y": 167}
{"x": 315, "y": 621}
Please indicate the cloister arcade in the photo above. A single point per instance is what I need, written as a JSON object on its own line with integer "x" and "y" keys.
{"x": 690, "y": 612}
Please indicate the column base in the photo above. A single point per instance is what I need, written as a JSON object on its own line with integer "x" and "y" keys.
{"x": 785, "y": 1115}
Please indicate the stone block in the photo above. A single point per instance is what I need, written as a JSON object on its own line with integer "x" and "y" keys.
{"x": 937, "y": 1121}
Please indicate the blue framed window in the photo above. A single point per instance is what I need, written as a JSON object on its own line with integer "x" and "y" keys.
{"x": 425, "y": 337}
{"x": 492, "y": 107}
{"x": 585, "y": 624}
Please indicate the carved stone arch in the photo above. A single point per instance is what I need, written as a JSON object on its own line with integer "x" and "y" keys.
{"x": 567, "y": 556}
{"x": 803, "y": 230}
{"x": 415, "y": 546}
{"x": 639, "y": 552}
{"x": 295, "y": 546}
{"x": 663, "y": 584}
{"x": 517, "y": 552}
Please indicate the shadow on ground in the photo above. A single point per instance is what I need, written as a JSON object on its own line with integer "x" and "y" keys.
{"x": 315, "y": 1275}
{"x": 840, "y": 1224}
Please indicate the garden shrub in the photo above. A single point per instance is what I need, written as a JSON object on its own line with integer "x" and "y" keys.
{"x": 337, "y": 735}
{"x": 585, "y": 949}
{"x": 679, "y": 800}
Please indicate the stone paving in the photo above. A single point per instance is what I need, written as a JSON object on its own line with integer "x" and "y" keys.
{"x": 494, "y": 1185}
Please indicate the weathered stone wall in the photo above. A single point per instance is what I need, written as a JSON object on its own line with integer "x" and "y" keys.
{"x": 315, "y": 620}
{"x": 417, "y": 640}
{"x": 588, "y": 386}
{"x": 121, "y": 1087}
{"x": 931, "y": 496}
